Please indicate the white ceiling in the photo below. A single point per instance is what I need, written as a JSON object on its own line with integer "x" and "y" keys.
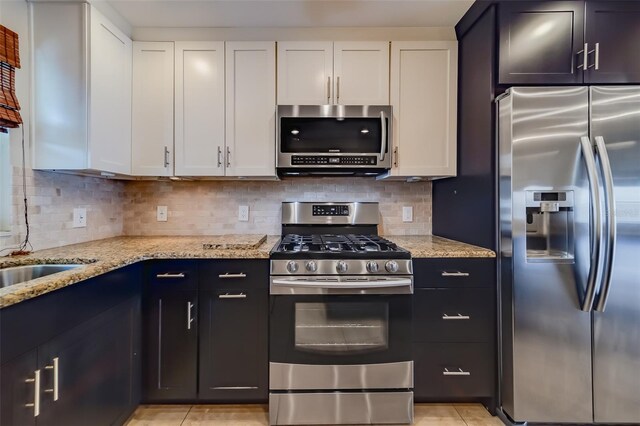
{"x": 291, "y": 13}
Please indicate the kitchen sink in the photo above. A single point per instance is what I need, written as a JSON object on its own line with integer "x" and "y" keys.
{"x": 19, "y": 274}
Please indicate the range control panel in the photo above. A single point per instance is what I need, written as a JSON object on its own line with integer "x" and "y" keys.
{"x": 348, "y": 160}
{"x": 333, "y": 210}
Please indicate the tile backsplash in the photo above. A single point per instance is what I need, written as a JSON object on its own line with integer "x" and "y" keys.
{"x": 211, "y": 207}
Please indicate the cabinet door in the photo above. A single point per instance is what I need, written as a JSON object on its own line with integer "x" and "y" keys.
{"x": 199, "y": 103}
{"x": 152, "y": 134}
{"x": 424, "y": 100}
{"x": 87, "y": 372}
{"x": 251, "y": 108}
{"x": 171, "y": 333}
{"x": 305, "y": 72}
{"x": 541, "y": 42}
{"x": 233, "y": 333}
{"x": 110, "y": 99}
{"x": 612, "y": 32}
{"x": 18, "y": 390}
{"x": 361, "y": 73}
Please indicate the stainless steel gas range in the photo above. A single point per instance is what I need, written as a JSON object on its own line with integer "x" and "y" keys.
{"x": 340, "y": 319}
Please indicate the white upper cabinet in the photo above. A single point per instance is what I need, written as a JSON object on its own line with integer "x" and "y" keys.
{"x": 81, "y": 90}
{"x": 320, "y": 73}
{"x": 199, "y": 109}
{"x": 361, "y": 73}
{"x": 305, "y": 72}
{"x": 250, "y": 108}
{"x": 152, "y": 140}
{"x": 423, "y": 96}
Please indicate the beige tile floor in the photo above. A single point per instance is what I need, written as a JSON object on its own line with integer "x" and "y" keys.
{"x": 256, "y": 415}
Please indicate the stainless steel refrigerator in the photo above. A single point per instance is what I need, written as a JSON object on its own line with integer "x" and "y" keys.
{"x": 569, "y": 253}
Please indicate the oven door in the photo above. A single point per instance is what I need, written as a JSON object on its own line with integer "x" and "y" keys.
{"x": 340, "y": 333}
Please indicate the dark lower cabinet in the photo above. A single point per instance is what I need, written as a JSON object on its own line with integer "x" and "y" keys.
{"x": 18, "y": 390}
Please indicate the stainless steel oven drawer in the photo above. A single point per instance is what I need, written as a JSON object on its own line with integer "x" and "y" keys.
{"x": 341, "y": 408}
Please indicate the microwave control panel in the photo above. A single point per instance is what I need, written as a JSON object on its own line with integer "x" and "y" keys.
{"x": 347, "y": 160}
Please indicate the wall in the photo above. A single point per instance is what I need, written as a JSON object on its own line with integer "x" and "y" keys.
{"x": 51, "y": 196}
{"x": 212, "y": 207}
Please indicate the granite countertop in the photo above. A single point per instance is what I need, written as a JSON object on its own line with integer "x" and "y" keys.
{"x": 102, "y": 256}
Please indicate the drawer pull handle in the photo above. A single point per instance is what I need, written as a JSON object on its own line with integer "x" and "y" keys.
{"x": 56, "y": 378}
{"x": 454, "y": 274}
{"x": 169, "y": 275}
{"x": 36, "y": 394}
{"x": 228, "y": 275}
{"x": 190, "y": 317}
{"x": 460, "y": 372}
{"x": 455, "y": 317}
{"x": 232, "y": 296}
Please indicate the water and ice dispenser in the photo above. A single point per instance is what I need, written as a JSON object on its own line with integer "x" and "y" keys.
{"x": 550, "y": 226}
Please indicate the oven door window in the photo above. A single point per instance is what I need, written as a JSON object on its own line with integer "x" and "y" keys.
{"x": 341, "y": 328}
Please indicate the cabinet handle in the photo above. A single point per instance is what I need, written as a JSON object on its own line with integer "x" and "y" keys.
{"x": 454, "y": 274}
{"x": 228, "y": 275}
{"x": 36, "y": 397}
{"x": 236, "y": 387}
{"x": 232, "y": 296}
{"x": 338, "y": 89}
{"x": 585, "y": 57}
{"x": 455, "y": 317}
{"x": 460, "y": 372}
{"x": 596, "y": 54}
{"x": 55, "y": 368}
{"x": 189, "y": 317}
{"x": 228, "y": 157}
{"x": 219, "y": 157}
{"x": 166, "y": 156}
{"x": 328, "y": 90}
{"x": 170, "y": 275}
{"x": 395, "y": 157}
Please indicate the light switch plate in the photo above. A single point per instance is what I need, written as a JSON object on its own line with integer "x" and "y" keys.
{"x": 162, "y": 214}
{"x": 79, "y": 218}
{"x": 407, "y": 214}
{"x": 243, "y": 213}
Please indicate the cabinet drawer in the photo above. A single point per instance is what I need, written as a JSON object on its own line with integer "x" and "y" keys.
{"x": 252, "y": 273}
{"x": 448, "y": 370}
{"x": 172, "y": 274}
{"x": 453, "y": 315}
{"x": 454, "y": 272}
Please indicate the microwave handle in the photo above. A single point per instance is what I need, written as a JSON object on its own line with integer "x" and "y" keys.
{"x": 383, "y": 133}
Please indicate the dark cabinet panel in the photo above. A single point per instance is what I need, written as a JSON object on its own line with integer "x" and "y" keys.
{"x": 18, "y": 390}
{"x": 171, "y": 331}
{"x": 234, "y": 331}
{"x": 613, "y": 30}
{"x": 540, "y": 42}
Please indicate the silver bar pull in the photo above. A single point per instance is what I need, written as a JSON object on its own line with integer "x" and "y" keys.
{"x": 338, "y": 89}
{"x": 383, "y": 135}
{"x": 170, "y": 275}
{"x": 585, "y": 57}
{"x": 454, "y": 274}
{"x": 232, "y": 296}
{"x": 36, "y": 396}
{"x": 189, "y": 316}
{"x": 235, "y": 387}
{"x": 328, "y": 90}
{"x": 596, "y": 224}
{"x": 596, "y": 56}
{"x": 455, "y": 317}
{"x": 166, "y": 156}
{"x": 55, "y": 368}
{"x": 228, "y": 157}
{"x": 219, "y": 157}
{"x": 395, "y": 157}
{"x": 460, "y": 372}
{"x": 227, "y": 275}
{"x": 610, "y": 224}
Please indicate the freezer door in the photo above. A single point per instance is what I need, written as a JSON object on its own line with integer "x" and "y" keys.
{"x": 615, "y": 116}
{"x": 545, "y": 247}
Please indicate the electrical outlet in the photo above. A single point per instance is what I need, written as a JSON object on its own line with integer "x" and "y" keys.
{"x": 407, "y": 214}
{"x": 243, "y": 213}
{"x": 162, "y": 213}
{"x": 79, "y": 218}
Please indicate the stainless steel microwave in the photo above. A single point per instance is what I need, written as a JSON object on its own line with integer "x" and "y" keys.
{"x": 333, "y": 139}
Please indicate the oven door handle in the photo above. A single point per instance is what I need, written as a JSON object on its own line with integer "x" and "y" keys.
{"x": 388, "y": 286}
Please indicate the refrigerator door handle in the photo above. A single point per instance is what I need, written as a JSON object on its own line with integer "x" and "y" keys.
{"x": 596, "y": 223}
{"x": 610, "y": 223}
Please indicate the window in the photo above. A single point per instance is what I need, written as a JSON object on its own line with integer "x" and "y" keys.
{"x": 5, "y": 185}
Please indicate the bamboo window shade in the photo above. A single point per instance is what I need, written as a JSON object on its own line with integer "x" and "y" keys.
{"x": 9, "y": 61}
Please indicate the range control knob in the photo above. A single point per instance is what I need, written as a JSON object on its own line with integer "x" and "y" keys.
{"x": 292, "y": 267}
{"x": 311, "y": 266}
{"x": 372, "y": 266}
{"x": 342, "y": 267}
{"x": 392, "y": 266}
